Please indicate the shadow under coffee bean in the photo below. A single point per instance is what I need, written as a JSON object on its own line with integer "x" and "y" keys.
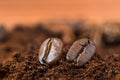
{"x": 81, "y": 51}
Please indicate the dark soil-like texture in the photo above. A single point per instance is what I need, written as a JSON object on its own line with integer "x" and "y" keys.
{"x": 19, "y": 59}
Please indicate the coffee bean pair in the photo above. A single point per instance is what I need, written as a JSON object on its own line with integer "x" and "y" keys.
{"x": 80, "y": 52}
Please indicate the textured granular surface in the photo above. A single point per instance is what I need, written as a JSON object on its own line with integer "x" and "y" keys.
{"x": 19, "y": 60}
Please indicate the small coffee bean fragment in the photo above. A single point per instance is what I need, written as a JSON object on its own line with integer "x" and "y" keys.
{"x": 50, "y": 51}
{"x": 81, "y": 51}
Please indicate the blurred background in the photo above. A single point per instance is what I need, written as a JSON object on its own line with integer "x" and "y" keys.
{"x": 33, "y": 11}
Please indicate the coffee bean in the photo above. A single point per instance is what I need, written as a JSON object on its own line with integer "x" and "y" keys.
{"x": 3, "y": 33}
{"x": 50, "y": 51}
{"x": 111, "y": 33}
{"x": 81, "y": 51}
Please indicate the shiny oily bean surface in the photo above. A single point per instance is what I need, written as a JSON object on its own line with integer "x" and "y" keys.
{"x": 81, "y": 51}
{"x": 50, "y": 51}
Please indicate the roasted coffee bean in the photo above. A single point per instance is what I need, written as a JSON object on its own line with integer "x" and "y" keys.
{"x": 81, "y": 51}
{"x": 3, "y": 33}
{"x": 50, "y": 51}
{"x": 111, "y": 33}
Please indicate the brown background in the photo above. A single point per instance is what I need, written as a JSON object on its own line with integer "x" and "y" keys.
{"x": 31, "y": 11}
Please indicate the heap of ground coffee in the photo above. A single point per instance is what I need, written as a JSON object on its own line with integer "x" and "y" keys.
{"x": 19, "y": 59}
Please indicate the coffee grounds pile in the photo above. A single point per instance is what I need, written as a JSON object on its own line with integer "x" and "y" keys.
{"x": 19, "y": 60}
